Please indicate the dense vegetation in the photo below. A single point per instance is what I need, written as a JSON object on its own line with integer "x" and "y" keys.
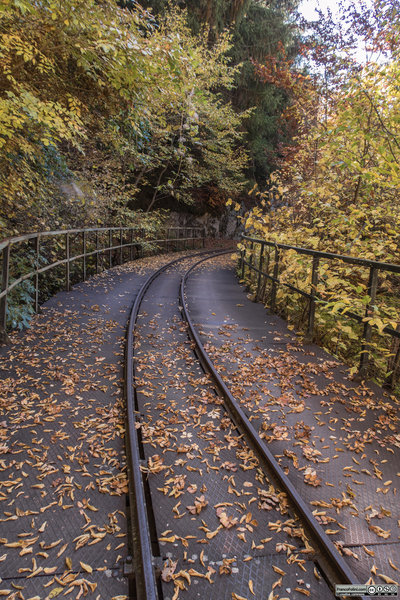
{"x": 107, "y": 108}
{"x": 337, "y": 186}
{"x": 112, "y": 111}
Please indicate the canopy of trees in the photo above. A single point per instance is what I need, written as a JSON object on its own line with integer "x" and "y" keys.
{"x": 106, "y": 108}
{"x": 339, "y": 178}
{"x": 337, "y": 185}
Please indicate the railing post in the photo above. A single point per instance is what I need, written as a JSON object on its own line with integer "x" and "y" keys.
{"x": 110, "y": 246}
{"x": 97, "y": 251}
{"x": 67, "y": 268}
{"x": 131, "y": 246}
{"x": 84, "y": 254}
{"x": 309, "y": 337}
{"x": 142, "y": 237}
{"x": 3, "y": 300}
{"x": 120, "y": 246}
{"x": 260, "y": 266}
{"x": 242, "y": 257}
{"x": 367, "y": 333}
{"x": 251, "y": 259}
{"x": 37, "y": 258}
{"x": 275, "y": 278}
{"x": 266, "y": 259}
{"x": 391, "y": 378}
{"x": 204, "y": 237}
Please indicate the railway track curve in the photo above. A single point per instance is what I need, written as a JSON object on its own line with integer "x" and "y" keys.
{"x": 193, "y": 414}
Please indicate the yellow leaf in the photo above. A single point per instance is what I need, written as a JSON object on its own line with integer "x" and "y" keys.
{"x": 61, "y": 550}
{"x": 55, "y": 592}
{"x": 316, "y": 574}
{"x": 86, "y": 567}
{"x": 251, "y": 588}
{"x": 387, "y": 579}
{"x": 393, "y": 565}
{"x": 368, "y": 551}
{"x": 42, "y": 527}
{"x": 68, "y": 563}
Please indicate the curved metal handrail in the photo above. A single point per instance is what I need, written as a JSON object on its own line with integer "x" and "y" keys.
{"x": 374, "y": 268}
{"x": 92, "y": 244}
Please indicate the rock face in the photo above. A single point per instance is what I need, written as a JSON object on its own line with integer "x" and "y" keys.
{"x": 71, "y": 189}
{"x": 226, "y": 225}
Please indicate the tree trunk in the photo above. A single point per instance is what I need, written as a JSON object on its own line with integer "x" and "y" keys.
{"x": 357, "y": 190}
{"x": 139, "y": 177}
{"x": 156, "y": 189}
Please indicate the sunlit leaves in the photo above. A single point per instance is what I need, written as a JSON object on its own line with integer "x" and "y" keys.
{"x": 96, "y": 92}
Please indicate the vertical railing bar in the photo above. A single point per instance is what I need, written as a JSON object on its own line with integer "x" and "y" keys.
{"x": 121, "y": 238}
{"x": 84, "y": 254}
{"x": 312, "y": 304}
{"x": 4, "y": 287}
{"x": 390, "y": 380}
{"x": 97, "y": 251}
{"x": 265, "y": 279}
{"x": 243, "y": 258}
{"x": 67, "y": 264}
{"x": 251, "y": 262}
{"x": 140, "y": 245}
{"x": 367, "y": 331}
{"x": 37, "y": 258}
{"x": 274, "y": 281}
{"x": 260, "y": 266}
{"x": 110, "y": 246}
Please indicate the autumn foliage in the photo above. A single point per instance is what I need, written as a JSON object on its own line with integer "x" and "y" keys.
{"x": 338, "y": 184}
{"x": 110, "y": 99}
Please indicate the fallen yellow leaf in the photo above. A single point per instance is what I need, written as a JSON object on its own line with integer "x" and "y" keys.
{"x": 86, "y": 567}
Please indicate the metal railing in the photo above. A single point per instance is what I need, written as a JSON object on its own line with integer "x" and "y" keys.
{"x": 105, "y": 246}
{"x": 271, "y": 273}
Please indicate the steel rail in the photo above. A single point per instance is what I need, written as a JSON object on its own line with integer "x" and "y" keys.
{"x": 332, "y": 564}
{"x": 145, "y": 580}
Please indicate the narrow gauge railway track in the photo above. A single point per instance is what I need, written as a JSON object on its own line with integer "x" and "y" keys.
{"x": 210, "y": 535}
